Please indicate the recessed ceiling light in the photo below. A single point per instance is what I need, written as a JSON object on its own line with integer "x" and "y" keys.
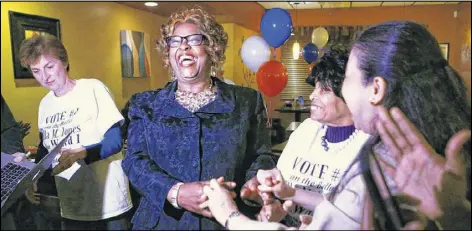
{"x": 151, "y": 4}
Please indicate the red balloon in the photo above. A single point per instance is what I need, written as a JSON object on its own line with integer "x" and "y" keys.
{"x": 272, "y": 78}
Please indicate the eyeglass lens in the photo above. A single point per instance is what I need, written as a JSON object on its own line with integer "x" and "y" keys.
{"x": 192, "y": 40}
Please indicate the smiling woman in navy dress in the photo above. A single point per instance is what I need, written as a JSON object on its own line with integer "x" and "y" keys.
{"x": 194, "y": 129}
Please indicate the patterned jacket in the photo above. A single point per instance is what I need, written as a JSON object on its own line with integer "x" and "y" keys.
{"x": 168, "y": 144}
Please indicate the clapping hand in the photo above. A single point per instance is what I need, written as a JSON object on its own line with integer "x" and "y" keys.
{"x": 435, "y": 182}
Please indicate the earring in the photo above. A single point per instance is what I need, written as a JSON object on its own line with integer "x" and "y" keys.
{"x": 172, "y": 76}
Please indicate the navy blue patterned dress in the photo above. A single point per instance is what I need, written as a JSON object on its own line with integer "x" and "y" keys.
{"x": 168, "y": 144}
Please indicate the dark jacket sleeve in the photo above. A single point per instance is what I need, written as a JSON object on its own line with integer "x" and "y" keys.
{"x": 259, "y": 145}
{"x": 148, "y": 179}
{"x": 12, "y": 140}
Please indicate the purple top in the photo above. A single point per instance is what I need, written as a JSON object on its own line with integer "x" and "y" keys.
{"x": 339, "y": 134}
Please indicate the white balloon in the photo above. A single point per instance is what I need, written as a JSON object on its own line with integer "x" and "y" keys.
{"x": 254, "y": 52}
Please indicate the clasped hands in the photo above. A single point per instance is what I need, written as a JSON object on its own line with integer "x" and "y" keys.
{"x": 263, "y": 189}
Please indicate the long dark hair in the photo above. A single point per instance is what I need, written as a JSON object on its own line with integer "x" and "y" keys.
{"x": 419, "y": 80}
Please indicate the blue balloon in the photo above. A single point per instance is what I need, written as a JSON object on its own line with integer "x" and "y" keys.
{"x": 310, "y": 52}
{"x": 276, "y": 26}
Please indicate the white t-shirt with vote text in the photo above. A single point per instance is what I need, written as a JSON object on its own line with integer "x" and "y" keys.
{"x": 305, "y": 164}
{"x": 100, "y": 190}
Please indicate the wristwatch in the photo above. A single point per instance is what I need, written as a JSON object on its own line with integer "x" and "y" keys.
{"x": 174, "y": 194}
{"x": 233, "y": 214}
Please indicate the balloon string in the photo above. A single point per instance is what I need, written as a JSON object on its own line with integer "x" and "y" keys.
{"x": 274, "y": 56}
{"x": 269, "y": 112}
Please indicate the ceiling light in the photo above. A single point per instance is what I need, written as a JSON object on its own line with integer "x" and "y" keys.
{"x": 152, "y": 4}
{"x": 296, "y": 50}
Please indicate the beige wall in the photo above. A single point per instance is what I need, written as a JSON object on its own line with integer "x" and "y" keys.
{"x": 91, "y": 33}
{"x": 234, "y": 67}
{"x": 228, "y": 67}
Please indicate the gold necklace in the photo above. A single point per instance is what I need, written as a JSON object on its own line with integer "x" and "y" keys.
{"x": 194, "y": 101}
{"x": 210, "y": 87}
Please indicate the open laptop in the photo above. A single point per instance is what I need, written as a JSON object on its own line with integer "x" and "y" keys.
{"x": 18, "y": 177}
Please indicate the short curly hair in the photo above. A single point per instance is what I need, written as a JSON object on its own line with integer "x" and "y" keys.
{"x": 213, "y": 31}
{"x": 330, "y": 69}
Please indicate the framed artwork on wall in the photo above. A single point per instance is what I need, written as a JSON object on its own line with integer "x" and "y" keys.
{"x": 23, "y": 26}
{"x": 135, "y": 54}
{"x": 445, "y": 50}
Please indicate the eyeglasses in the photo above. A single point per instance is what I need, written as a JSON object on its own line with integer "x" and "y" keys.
{"x": 192, "y": 40}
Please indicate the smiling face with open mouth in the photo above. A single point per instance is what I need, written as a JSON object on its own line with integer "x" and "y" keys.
{"x": 190, "y": 63}
{"x": 327, "y": 108}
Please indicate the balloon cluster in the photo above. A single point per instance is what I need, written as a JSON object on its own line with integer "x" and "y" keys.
{"x": 276, "y": 28}
{"x": 314, "y": 50}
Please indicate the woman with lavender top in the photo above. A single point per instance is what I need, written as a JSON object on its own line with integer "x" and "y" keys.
{"x": 324, "y": 145}
{"x": 318, "y": 153}
{"x": 420, "y": 139}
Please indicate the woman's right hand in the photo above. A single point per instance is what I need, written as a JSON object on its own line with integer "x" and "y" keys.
{"x": 191, "y": 196}
{"x": 435, "y": 182}
{"x": 272, "y": 182}
{"x": 31, "y": 194}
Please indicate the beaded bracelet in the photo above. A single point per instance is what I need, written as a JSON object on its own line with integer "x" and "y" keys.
{"x": 233, "y": 214}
